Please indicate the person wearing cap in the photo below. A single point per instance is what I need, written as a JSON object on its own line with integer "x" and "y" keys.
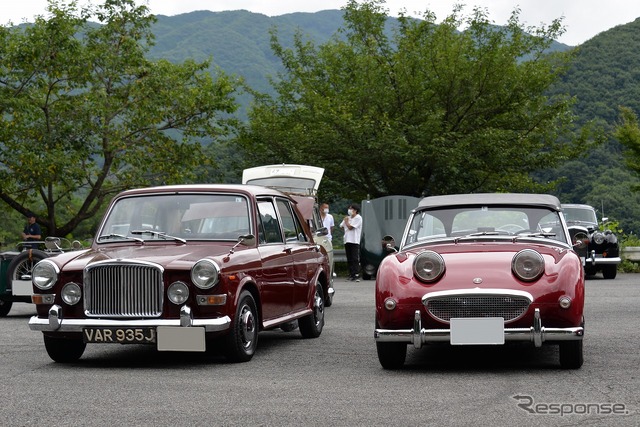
{"x": 32, "y": 231}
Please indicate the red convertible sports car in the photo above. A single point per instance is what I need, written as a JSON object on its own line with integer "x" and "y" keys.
{"x": 177, "y": 267}
{"x": 482, "y": 269}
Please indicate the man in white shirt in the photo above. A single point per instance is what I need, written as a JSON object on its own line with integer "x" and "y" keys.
{"x": 352, "y": 225}
{"x": 327, "y": 219}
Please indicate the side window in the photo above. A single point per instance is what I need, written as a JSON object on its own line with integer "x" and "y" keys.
{"x": 269, "y": 227}
{"x": 293, "y": 231}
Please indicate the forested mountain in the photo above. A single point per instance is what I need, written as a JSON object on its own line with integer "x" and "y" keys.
{"x": 605, "y": 75}
{"x": 239, "y": 41}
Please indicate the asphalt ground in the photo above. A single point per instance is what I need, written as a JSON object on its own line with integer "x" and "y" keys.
{"x": 334, "y": 380}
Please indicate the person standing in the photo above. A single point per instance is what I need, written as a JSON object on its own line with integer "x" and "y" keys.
{"x": 352, "y": 225}
{"x": 32, "y": 231}
{"x": 327, "y": 219}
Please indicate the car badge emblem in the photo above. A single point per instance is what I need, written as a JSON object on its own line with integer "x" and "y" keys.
{"x": 477, "y": 280}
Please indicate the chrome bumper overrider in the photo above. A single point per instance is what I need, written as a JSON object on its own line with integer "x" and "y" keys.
{"x": 537, "y": 334}
{"x": 55, "y": 322}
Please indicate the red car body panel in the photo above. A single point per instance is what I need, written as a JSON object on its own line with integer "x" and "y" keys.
{"x": 490, "y": 262}
{"x": 281, "y": 275}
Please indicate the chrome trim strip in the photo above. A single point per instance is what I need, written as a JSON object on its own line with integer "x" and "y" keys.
{"x": 537, "y": 334}
{"x": 476, "y": 291}
{"x": 56, "y": 323}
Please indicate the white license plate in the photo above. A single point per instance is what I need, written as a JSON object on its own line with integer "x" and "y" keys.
{"x": 178, "y": 338}
{"x": 477, "y": 331}
{"x": 21, "y": 287}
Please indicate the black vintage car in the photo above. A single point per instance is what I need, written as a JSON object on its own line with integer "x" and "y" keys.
{"x": 384, "y": 216}
{"x": 602, "y": 253}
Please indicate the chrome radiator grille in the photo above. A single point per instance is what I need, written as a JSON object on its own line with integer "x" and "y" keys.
{"x": 123, "y": 290}
{"x": 508, "y": 307}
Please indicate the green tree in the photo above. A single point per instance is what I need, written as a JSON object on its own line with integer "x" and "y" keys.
{"x": 420, "y": 108}
{"x": 628, "y": 134}
{"x": 83, "y": 113}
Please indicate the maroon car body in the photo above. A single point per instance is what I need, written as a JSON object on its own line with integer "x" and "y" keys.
{"x": 177, "y": 266}
{"x": 482, "y": 269}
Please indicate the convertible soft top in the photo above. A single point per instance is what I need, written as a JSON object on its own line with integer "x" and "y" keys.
{"x": 481, "y": 199}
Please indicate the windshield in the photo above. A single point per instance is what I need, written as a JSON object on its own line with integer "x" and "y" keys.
{"x": 177, "y": 216}
{"x": 472, "y": 221}
{"x": 580, "y": 215}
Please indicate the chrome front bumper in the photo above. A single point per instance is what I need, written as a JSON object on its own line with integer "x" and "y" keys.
{"x": 55, "y": 322}
{"x": 537, "y": 334}
{"x": 595, "y": 260}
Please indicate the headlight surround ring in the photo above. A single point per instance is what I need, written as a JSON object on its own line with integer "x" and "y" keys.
{"x": 205, "y": 274}
{"x": 178, "y": 292}
{"x": 45, "y": 274}
{"x": 71, "y": 293}
{"x": 527, "y": 265}
{"x": 598, "y": 238}
{"x": 428, "y": 266}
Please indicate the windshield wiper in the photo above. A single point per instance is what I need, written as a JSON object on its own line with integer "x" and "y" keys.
{"x": 120, "y": 236}
{"x": 160, "y": 234}
{"x": 536, "y": 234}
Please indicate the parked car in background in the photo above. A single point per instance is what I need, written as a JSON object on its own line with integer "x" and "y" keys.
{"x": 482, "y": 269}
{"x": 301, "y": 182}
{"x": 177, "y": 266}
{"x": 384, "y": 216}
{"x": 16, "y": 267}
{"x": 602, "y": 252}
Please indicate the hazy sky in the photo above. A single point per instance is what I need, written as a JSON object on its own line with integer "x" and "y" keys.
{"x": 582, "y": 19}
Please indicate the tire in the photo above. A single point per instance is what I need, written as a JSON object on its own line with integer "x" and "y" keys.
{"x": 571, "y": 355}
{"x": 391, "y": 355}
{"x": 289, "y": 326}
{"x": 242, "y": 340}
{"x": 5, "y": 307}
{"x": 311, "y": 325}
{"x": 64, "y": 350}
{"x": 328, "y": 302}
{"x": 609, "y": 271}
{"x": 22, "y": 264}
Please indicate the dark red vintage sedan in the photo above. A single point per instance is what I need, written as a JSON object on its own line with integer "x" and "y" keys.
{"x": 179, "y": 266}
{"x": 481, "y": 269}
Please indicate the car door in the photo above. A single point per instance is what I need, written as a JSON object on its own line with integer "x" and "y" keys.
{"x": 303, "y": 251}
{"x": 276, "y": 283}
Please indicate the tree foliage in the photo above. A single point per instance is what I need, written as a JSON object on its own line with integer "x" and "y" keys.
{"x": 419, "y": 108}
{"x": 84, "y": 114}
{"x": 628, "y": 134}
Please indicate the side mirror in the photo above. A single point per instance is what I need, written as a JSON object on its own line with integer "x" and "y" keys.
{"x": 247, "y": 240}
{"x": 580, "y": 241}
{"x": 322, "y": 231}
{"x": 389, "y": 243}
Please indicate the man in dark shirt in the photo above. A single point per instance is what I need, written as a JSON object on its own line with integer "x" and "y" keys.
{"x": 32, "y": 231}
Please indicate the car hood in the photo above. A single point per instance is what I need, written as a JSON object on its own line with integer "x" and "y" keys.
{"x": 490, "y": 262}
{"x": 168, "y": 256}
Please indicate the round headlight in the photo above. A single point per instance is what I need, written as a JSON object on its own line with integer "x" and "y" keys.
{"x": 204, "y": 274}
{"x": 527, "y": 265}
{"x": 428, "y": 266}
{"x": 598, "y": 238}
{"x": 178, "y": 292}
{"x": 45, "y": 275}
{"x": 71, "y": 293}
